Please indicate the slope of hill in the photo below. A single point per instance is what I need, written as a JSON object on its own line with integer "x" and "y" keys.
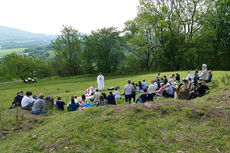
{"x": 14, "y": 38}
{"x": 165, "y": 125}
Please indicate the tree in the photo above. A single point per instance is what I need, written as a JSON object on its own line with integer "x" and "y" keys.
{"x": 104, "y": 50}
{"x": 68, "y": 50}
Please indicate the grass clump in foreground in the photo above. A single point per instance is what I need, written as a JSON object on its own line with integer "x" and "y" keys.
{"x": 165, "y": 125}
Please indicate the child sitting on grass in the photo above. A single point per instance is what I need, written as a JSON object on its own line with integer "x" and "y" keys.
{"x": 143, "y": 98}
{"x": 83, "y": 100}
{"x": 60, "y": 104}
{"x": 73, "y": 106}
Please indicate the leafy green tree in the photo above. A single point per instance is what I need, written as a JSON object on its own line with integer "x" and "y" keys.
{"x": 68, "y": 51}
{"x": 104, "y": 50}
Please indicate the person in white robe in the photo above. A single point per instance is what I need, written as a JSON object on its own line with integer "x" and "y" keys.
{"x": 203, "y": 74}
{"x": 100, "y": 81}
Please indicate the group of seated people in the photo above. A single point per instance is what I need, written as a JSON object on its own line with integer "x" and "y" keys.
{"x": 194, "y": 85}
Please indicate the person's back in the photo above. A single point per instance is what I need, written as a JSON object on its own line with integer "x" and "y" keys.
{"x": 144, "y": 85}
{"x": 72, "y": 107}
{"x": 111, "y": 99}
{"x": 202, "y": 89}
{"x": 116, "y": 93}
{"x": 129, "y": 89}
{"x": 97, "y": 96}
{"x": 143, "y": 98}
{"x": 60, "y": 104}
{"x": 37, "y": 106}
{"x": 27, "y": 101}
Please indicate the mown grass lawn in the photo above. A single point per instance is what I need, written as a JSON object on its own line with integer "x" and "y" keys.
{"x": 165, "y": 125}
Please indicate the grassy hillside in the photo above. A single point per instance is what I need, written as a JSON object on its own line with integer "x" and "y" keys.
{"x": 4, "y": 52}
{"x": 165, "y": 125}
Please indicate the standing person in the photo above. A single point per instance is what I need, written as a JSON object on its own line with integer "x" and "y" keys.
{"x": 134, "y": 93}
{"x": 100, "y": 81}
{"x": 203, "y": 74}
{"x": 37, "y": 107}
{"x": 27, "y": 101}
{"x": 152, "y": 90}
{"x": 128, "y": 91}
{"x": 60, "y": 104}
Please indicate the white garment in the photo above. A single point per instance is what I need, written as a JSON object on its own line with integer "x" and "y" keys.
{"x": 100, "y": 82}
{"x": 189, "y": 76}
{"x": 152, "y": 88}
{"x": 26, "y": 100}
{"x": 117, "y": 94}
{"x": 203, "y": 74}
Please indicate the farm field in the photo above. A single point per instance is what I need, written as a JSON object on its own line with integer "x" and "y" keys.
{"x": 4, "y": 52}
{"x": 164, "y": 125}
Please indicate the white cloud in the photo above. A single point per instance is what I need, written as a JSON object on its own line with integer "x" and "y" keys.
{"x": 48, "y": 16}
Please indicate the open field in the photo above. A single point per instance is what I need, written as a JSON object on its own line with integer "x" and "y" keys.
{"x": 4, "y": 52}
{"x": 165, "y": 125}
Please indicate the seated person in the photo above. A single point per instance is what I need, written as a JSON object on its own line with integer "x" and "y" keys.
{"x": 209, "y": 78}
{"x": 140, "y": 86}
{"x": 144, "y": 85}
{"x": 183, "y": 91}
{"x": 27, "y": 101}
{"x": 116, "y": 93}
{"x": 143, "y": 98}
{"x": 193, "y": 93}
{"x": 102, "y": 101}
{"x": 37, "y": 107}
{"x": 83, "y": 100}
{"x": 165, "y": 80}
{"x": 96, "y": 96}
{"x": 202, "y": 88}
{"x": 72, "y": 106}
{"x": 75, "y": 99}
{"x": 60, "y": 104}
{"x": 169, "y": 92}
{"x": 17, "y": 100}
{"x": 137, "y": 90}
{"x": 177, "y": 77}
{"x": 111, "y": 99}
{"x": 160, "y": 91}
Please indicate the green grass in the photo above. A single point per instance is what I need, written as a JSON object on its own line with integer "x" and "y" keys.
{"x": 165, "y": 125}
{"x": 4, "y": 52}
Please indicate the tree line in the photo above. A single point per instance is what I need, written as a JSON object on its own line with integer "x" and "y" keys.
{"x": 166, "y": 35}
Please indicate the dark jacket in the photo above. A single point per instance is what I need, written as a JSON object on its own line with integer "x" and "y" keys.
{"x": 60, "y": 105}
{"x": 111, "y": 99}
{"x": 144, "y": 97}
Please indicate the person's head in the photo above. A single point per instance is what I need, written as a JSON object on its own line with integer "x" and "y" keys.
{"x": 162, "y": 84}
{"x": 75, "y": 97}
{"x": 189, "y": 79}
{"x": 145, "y": 90}
{"x": 97, "y": 90}
{"x": 189, "y": 72}
{"x": 59, "y": 98}
{"x": 104, "y": 95}
{"x": 173, "y": 75}
{"x": 101, "y": 97}
{"x": 133, "y": 84}
{"x": 203, "y": 83}
{"x": 139, "y": 82}
{"x": 28, "y": 93}
{"x": 165, "y": 77}
{"x": 204, "y": 66}
{"x": 100, "y": 73}
{"x": 143, "y": 80}
{"x": 177, "y": 74}
{"x": 115, "y": 89}
{"x": 159, "y": 74}
{"x": 168, "y": 85}
{"x": 157, "y": 79}
{"x": 162, "y": 79}
{"x": 41, "y": 96}
{"x": 110, "y": 93}
{"x": 152, "y": 81}
{"x": 83, "y": 97}
{"x": 129, "y": 81}
{"x": 196, "y": 71}
{"x": 209, "y": 72}
{"x": 72, "y": 100}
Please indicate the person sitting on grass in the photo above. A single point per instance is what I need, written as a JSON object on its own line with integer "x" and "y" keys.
{"x": 209, "y": 78}
{"x": 72, "y": 106}
{"x": 96, "y": 97}
{"x": 144, "y": 85}
{"x": 83, "y": 100}
{"x": 193, "y": 93}
{"x": 17, "y": 100}
{"x": 116, "y": 93}
{"x": 111, "y": 99}
{"x": 160, "y": 91}
{"x": 169, "y": 92}
{"x": 103, "y": 101}
{"x": 60, "y": 104}
{"x": 140, "y": 85}
{"x": 27, "y": 101}
{"x": 38, "y": 105}
{"x": 177, "y": 77}
{"x": 202, "y": 89}
{"x": 143, "y": 98}
{"x": 165, "y": 80}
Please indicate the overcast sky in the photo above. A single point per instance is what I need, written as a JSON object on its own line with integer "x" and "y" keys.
{"x": 48, "y": 16}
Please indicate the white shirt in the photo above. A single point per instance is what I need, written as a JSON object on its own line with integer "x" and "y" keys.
{"x": 26, "y": 100}
{"x": 117, "y": 94}
{"x": 152, "y": 88}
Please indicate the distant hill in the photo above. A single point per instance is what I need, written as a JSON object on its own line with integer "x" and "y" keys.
{"x": 15, "y": 38}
